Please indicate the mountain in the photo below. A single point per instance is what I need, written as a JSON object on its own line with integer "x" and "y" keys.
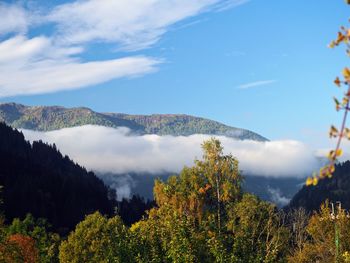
{"x": 37, "y": 179}
{"x": 47, "y": 118}
{"x": 334, "y": 189}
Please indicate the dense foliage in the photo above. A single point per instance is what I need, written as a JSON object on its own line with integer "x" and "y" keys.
{"x": 53, "y": 118}
{"x": 98, "y": 239}
{"x": 326, "y": 237}
{"x": 37, "y": 179}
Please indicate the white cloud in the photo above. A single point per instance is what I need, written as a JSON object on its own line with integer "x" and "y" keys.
{"x": 122, "y": 183}
{"x": 33, "y": 66}
{"x": 116, "y": 150}
{"x": 225, "y": 5}
{"x": 14, "y": 18}
{"x": 20, "y": 51}
{"x": 132, "y": 24}
{"x": 277, "y": 196}
{"x": 55, "y": 62}
{"x": 256, "y": 84}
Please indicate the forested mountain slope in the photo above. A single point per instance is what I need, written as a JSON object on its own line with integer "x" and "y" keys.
{"x": 46, "y": 118}
{"x": 37, "y": 179}
{"x": 334, "y": 189}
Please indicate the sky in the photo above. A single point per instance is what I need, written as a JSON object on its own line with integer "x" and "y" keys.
{"x": 262, "y": 65}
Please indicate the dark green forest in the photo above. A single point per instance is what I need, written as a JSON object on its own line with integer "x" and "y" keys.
{"x": 38, "y": 179}
{"x": 335, "y": 189}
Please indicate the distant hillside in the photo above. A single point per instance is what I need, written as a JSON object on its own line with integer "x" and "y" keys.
{"x": 47, "y": 118}
{"x": 276, "y": 190}
{"x": 37, "y": 179}
{"x": 334, "y": 189}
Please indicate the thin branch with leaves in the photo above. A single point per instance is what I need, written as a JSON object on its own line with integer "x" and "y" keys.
{"x": 343, "y": 105}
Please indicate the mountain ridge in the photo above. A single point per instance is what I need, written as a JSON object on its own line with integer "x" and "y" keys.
{"x": 47, "y": 118}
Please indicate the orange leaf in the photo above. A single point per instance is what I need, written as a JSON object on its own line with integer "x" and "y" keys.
{"x": 339, "y": 152}
{"x": 346, "y": 74}
{"x": 337, "y": 81}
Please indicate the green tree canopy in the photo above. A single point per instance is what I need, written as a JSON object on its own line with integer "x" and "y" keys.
{"x": 202, "y": 217}
{"x": 98, "y": 239}
{"x": 47, "y": 243}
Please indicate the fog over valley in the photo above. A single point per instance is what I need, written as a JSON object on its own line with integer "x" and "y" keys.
{"x": 110, "y": 150}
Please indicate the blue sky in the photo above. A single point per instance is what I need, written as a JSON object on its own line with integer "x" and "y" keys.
{"x": 263, "y": 65}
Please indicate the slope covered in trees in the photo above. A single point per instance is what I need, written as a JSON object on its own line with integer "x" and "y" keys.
{"x": 37, "y": 179}
{"x": 334, "y": 189}
{"x": 51, "y": 118}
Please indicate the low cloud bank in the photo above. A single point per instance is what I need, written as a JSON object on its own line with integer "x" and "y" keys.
{"x": 277, "y": 196}
{"x": 109, "y": 150}
{"x": 123, "y": 184}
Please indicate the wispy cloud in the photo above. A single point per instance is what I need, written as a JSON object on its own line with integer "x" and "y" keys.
{"x": 55, "y": 62}
{"x": 225, "y": 5}
{"x": 235, "y": 53}
{"x": 36, "y": 65}
{"x": 131, "y": 24}
{"x": 14, "y": 18}
{"x": 256, "y": 84}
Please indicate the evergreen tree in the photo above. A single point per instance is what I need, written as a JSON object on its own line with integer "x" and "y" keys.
{"x": 37, "y": 179}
